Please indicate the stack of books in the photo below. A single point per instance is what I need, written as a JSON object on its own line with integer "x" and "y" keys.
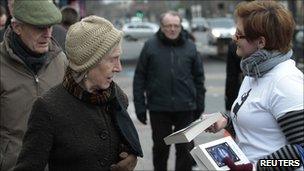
{"x": 208, "y": 156}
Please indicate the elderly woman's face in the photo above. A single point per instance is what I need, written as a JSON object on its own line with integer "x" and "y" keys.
{"x": 101, "y": 76}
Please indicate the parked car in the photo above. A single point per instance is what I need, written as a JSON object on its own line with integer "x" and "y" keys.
{"x": 186, "y": 25}
{"x": 139, "y": 30}
{"x": 199, "y": 24}
{"x": 220, "y": 28}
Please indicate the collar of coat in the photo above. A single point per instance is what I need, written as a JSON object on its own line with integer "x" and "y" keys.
{"x": 54, "y": 48}
{"x": 181, "y": 39}
{"x": 100, "y": 97}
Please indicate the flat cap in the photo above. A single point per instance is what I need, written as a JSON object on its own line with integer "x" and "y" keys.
{"x": 37, "y": 12}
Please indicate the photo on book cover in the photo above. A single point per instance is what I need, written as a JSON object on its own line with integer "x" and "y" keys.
{"x": 220, "y": 151}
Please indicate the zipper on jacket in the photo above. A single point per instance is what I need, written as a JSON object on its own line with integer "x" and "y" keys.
{"x": 172, "y": 78}
{"x": 36, "y": 79}
{"x": 37, "y": 82}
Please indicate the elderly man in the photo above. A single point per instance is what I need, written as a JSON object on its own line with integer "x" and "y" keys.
{"x": 31, "y": 63}
{"x": 170, "y": 78}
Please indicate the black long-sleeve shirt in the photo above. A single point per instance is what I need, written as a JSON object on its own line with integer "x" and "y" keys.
{"x": 234, "y": 76}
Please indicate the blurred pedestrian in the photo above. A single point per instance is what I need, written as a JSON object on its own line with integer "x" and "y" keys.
{"x": 169, "y": 82}
{"x": 234, "y": 76}
{"x": 30, "y": 63}
{"x": 268, "y": 114}
{"x": 83, "y": 124}
{"x": 69, "y": 17}
{"x": 8, "y": 17}
{"x": 9, "y": 12}
{"x": 3, "y": 17}
{"x": 59, "y": 34}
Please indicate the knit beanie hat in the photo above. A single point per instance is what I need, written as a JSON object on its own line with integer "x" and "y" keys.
{"x": 89, "y": 40}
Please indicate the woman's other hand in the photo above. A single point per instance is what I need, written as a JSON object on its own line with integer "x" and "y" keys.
{"x": 127, "y": 163}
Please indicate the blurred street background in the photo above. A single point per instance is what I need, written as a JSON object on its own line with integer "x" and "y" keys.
{"x": 212, "y": 25}
{"x": 210, "y": 22}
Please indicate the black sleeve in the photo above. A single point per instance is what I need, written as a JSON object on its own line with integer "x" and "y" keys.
{"x": 199, "y": 80}
{"x": 139, "y": 82}
{"x": 233, "y": 76}
{"x": 292, "y": 125}
{"x": 229, "y": 127}
{"x": 37, "y": 141}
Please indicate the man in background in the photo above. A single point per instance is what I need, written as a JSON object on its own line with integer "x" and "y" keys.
{"x": 69, "y": 17}
{"x": 3, "y": 17}
{"x": 169, "y": 82}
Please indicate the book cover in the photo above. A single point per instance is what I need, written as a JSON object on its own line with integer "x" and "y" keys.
{"x": 193, "y": 130}
{"x": 209, "y": 156}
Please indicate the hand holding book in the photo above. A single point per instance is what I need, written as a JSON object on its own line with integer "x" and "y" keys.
{"x": 217, "y": 126}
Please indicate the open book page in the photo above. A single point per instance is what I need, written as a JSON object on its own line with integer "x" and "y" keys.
{"x": 188, "y": 127}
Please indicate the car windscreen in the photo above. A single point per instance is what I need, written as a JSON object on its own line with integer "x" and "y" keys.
{"x": 220, "y": 23}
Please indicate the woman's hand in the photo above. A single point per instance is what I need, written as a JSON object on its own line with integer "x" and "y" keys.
{"x": 217, "y": 126}
{"x": 240, "y": 167}
{"x": 127, "y": 163}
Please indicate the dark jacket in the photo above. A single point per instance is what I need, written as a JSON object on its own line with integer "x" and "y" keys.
{"x": 234, "y": 76}
{"x": 59, "y": 34}
{"x": 70, "y": 134}
{"x": 169, "y": 75}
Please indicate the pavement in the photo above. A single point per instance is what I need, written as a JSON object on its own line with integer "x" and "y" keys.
{"x": 215, "y": 82}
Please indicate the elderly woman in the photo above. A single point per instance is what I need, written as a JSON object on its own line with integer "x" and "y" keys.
{"x": 82, "y": 124}
{"x": 267, "y": 116}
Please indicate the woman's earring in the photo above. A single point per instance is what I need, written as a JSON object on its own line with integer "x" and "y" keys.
{"x": 85, "y": 77}
{"x": 259, "y": 47}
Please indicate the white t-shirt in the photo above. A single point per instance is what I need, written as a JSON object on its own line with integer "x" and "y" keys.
{"x": 262, "y": 101}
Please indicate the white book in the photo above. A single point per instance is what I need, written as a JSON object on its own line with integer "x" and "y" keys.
{"x": 193, "y": 130}
{"x": 209, "y": 156}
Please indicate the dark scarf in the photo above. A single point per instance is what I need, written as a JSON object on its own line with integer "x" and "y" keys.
{"x": 262, "y": 61}
{"x": 101, "y": 97}
{"x": 180, "y": 40}
{"x": 33, "y": 60}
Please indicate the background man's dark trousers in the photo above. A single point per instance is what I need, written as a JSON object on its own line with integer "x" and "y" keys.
{"x": 163, "y": 124}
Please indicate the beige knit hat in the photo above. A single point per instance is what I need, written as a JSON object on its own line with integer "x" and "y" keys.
{"x": 89, "y": 40}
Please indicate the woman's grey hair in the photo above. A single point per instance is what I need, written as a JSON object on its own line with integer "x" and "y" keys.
{"x": 173, "y": 13}
{"x": 79, "y": 76}
{"x": 16, "y": 20}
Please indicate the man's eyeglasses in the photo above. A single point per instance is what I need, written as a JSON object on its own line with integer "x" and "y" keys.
{"x": 168, "y": 26}
{"x": 239, "y": 36}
